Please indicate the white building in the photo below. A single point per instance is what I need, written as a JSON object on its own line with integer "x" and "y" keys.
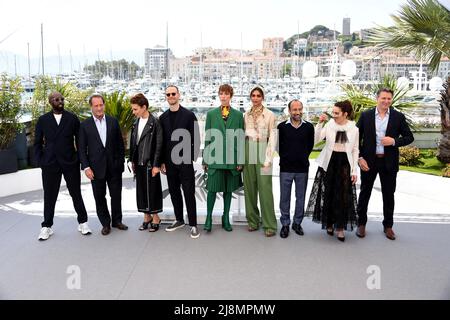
{"x": 157, "y": 62}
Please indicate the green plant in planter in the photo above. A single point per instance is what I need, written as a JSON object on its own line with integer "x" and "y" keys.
{"x": 10, "y": 110}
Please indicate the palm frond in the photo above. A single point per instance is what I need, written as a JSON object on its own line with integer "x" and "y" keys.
{"x": 365, "y": 98}
{"x": 422, "y": 27}
{"x": 117, "y": 105}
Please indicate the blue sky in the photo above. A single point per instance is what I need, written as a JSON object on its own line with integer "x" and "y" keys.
{"x": 124, "y": 28}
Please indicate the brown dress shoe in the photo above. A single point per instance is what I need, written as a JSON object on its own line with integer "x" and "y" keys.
{"x": 269, "y": 233}
{"x": 120, "y": 226}
{"x": 361, "y": 232}
{"x": 389, "y": 233}
{"x": 106, "y": 230}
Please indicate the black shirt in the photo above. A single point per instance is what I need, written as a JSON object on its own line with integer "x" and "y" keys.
{"x": 295, "y": 146}
{"x": 173, "y": 118}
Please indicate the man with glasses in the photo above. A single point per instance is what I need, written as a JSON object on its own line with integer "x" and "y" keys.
{"x": 55, "y": 144}
{"x": 180, "y": 149}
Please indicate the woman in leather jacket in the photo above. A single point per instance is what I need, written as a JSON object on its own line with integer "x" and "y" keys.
{"x": 145, "y": 155}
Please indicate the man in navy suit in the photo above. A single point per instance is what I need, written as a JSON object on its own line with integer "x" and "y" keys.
{"x": 56, "y": 140}
{"x": 382, "y": 130}
{"x": 102, "y": 156}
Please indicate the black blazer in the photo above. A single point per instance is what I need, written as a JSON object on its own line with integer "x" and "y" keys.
{"x": 92, "y": 152}
{"x": 186, "y": 119}
{"x": 56, "y": 144}
{"x": 149, "y": 145}
{"x": 397, "y": 128}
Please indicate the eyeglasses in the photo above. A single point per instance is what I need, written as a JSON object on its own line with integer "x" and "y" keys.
{"x": 173, "y": 94}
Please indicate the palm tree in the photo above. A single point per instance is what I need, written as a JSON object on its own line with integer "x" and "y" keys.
{"x": 364, "y": 98}
{"x": 423, "y": 27}
{"x": 117, "y": 105}
{"x": 444, "y": 146}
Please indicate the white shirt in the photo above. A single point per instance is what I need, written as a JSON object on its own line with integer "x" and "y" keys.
{"x": 329, "y": 133}
{"x": 289, "y": 121}
{"x": 58, "y": 118}
{"x": 381, "y": 127}
{"x": 141, "y": 126}
{"x": 101, "y": 127}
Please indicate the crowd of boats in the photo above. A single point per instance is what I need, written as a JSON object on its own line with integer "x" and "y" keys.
{"x": 317, "y": 94}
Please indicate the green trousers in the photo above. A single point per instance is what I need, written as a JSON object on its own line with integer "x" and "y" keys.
{"x": 258, "y": 184}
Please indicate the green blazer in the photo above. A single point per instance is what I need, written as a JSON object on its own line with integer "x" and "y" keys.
{"x": 224, "y": 141}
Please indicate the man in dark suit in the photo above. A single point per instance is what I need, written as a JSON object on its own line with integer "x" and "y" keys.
{"x": 181, "y": 148}
{"x": 56, "y": 140}
{"x": 102, "y": 156}
{"x": 382, "y": 130}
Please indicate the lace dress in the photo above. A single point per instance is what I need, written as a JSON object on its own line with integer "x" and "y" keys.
{"x": 332, "y": 202}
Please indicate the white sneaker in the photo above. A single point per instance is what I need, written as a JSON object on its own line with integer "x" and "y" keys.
{"x": 194, "y": 233}
{"x": 84, "y": 228}
{"x": 45, "y": 233}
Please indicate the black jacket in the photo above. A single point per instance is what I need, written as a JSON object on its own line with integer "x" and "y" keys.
{"x": 92, "y": 152}
{"x": 57, "y": 144}
{"x": 397, "y": 128}
{"x": 150, "y": 143}
{"x": 186, "y": 119}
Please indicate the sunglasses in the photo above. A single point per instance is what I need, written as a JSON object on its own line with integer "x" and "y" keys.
{"x": 173, "y": 94}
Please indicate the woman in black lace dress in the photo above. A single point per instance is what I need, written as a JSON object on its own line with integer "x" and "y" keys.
{"x": 333, "y": 196}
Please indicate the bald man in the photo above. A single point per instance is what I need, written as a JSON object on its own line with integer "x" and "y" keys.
{"x": 55, "y": 145}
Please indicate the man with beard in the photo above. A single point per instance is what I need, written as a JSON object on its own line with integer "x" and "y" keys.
{"x": 55, "y": 146}
{"x": 181, "y": 147}
{"x": 296, "y": 141}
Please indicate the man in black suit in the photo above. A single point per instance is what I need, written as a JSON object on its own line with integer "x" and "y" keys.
{"x": 56, "y": 140}
{"x": 382, "y": 130}
{"x": 102, "y": 156}
{"x": 180, "y": 149}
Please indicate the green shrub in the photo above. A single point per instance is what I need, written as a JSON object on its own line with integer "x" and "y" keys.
{"x": 10, "y": 109}
{"x": 409, "y": 156}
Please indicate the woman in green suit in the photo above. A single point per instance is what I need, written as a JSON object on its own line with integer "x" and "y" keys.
{"x": 223, "y": 156}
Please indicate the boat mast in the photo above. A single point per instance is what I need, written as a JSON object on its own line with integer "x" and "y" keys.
{"x": 29, "y": 64}
{"x": 42, "y": 48}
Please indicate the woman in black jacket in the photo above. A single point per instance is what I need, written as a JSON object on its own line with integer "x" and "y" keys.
{"x": 145, "y": 154}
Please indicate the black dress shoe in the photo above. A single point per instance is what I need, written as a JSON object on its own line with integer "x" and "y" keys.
{"x": 284, "y": 233}
{"x": 106, "y": 230}
{"x": 298, "y": 229}
{"x": 120, "y": 226}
